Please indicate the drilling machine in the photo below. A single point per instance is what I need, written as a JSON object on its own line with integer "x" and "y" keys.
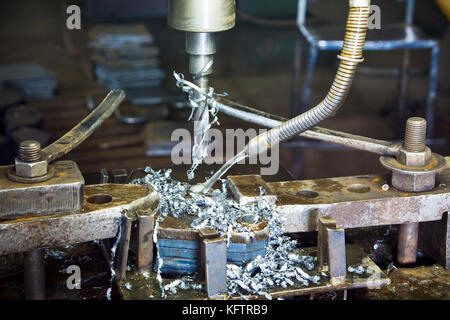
{"x": 201, "y": 20}
{"x": 47, "y": 205}
{"x": 363, "y": 201}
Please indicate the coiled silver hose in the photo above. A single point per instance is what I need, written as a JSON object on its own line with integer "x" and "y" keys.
{"x": 350, "y": 56}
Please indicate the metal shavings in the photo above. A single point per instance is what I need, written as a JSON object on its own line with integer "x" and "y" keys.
{"x": 128, "y": 286}
{"x": 185, "y": 283}
{"x": 206, "y": 100}
{"x": 217, "y": 210}
{"x": 390, "y": 268}
{"x": 358, "y": 269}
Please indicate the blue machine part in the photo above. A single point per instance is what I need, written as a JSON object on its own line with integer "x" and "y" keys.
{"x": 183, "y": 256}
{"x": 241, "y": 253}
{"x": 178, "y": 266}
{"x": 179, "y": 256}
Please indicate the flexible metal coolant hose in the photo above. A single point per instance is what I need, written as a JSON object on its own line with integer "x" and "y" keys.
{"x": 350, "y": 56}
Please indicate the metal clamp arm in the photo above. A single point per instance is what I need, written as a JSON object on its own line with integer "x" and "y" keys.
{"x": 85, "y": 128}
{"x": 349, "y": 140}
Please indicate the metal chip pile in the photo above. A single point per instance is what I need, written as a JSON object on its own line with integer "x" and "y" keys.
{"x": 279, "y": 267}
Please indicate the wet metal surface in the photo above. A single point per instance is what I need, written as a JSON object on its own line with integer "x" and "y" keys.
{"x": 145, "y": 287}
{"x": 104, "y": 207}
{"x": 419, "y": 283}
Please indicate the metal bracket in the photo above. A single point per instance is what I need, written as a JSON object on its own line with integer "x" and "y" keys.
{"x": 331, "y": 249}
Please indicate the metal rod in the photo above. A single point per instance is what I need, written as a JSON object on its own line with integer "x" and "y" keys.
{"x": 407, "y": 242}
{"x": 34, "y": 274}
{"x": 146, "y": 226}
{"x": 409, "y": 17}
{"x": 317, "y": 133}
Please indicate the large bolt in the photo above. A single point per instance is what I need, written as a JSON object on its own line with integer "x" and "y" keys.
{"x": 30, "y": 151}
{"x": 28, "y": 163}
{"x": 415, "y": 134}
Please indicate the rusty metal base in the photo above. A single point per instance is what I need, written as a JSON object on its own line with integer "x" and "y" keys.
{"x": 136, "y": 286}
{"x": 354, "y": 202}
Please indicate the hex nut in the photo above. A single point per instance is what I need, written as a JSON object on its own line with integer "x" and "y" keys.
{"x": 414, "y": 159}
{"x": 31, "y": 169}
{"x": 413, "y": 182}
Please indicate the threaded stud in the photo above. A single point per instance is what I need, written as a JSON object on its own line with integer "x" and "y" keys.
{"x": 29, "y": 151}
{"x": 415, "y": 134}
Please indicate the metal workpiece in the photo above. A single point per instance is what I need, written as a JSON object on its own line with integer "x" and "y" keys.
{"x": 331, "y": 249}
{"x": 34, "y": 274}
{"x": 356, "y": 201}
{"x": 408, "y": 236}
{"x": 144, "y": 250}
{"x": 63, "y": 193}
{"x": 124, "y": 247}
{"x": 201, "y": 15}
{"x": 104, "y": 206}
{"x": 215, "y": 266}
